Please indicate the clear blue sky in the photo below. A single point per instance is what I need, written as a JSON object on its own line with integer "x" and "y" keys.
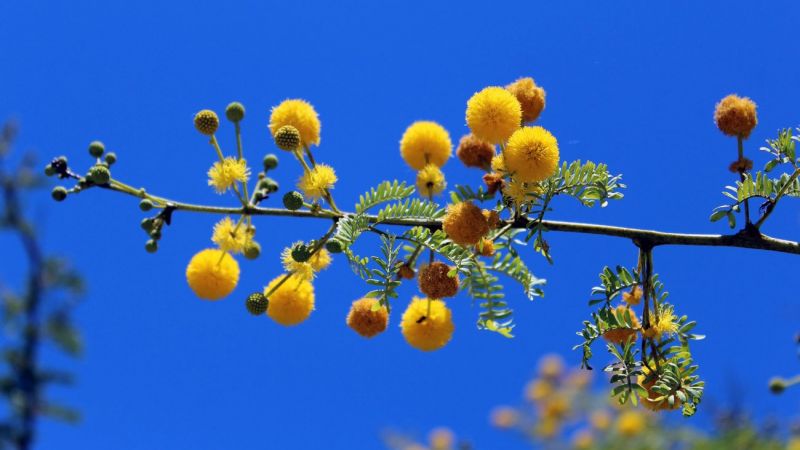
{"x": 629, "y": 85}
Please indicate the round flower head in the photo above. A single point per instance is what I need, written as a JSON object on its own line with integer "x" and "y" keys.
{"x": 583, "y": 440}
{"x": 224, "y": 174}
{"x": 206, "y": 122}
{"x": 486, "y": 247}
{"x": 665, "y": 324}
{"x": 231, "y": 237}
{"x": 302, "y": 270}
{"x": 621, "y": 335}
{"x": 427, "y": 326}
{"x": 465, "y": 223}
{"x": 287, "y": 138}
{"x": 551, "y": 366}
{"x": 299, "y": 114}
{"x": 441, "y": 439}
{"x": 538, "y": 390}
{"x": 631, "y": 423}
{"x": 531, "y": 154}
{"x": 316, "y": 183}
{"x": 504, "y": 417}
{"x": 634, "y": 297}
{"x": 516, "y": 191}
{"x": 493, "y": 114}
{"x": 434, "y": 281}
{"x": 499, "y": 164}
{"x": 320, "y": 260}
{"x": 212, "y": 274}
{"x": 430, "y": 180}
{"x": 530, "y": 96}
{"x": 736, "y": 116}
{"x": 292, "y": 302}
{"x": 494, "y": 182}
{"x": 425, "y": 142}
{"x": 474, "y": 152}
{"x": 365, "y": 320}
{"x": 600, "y": 419}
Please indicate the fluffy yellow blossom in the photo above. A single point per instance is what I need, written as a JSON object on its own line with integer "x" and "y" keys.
{"x": 441, "y": 439}
{"x": 302, "y": 270}
{"x": 212, "y": 274}
{"x": 292, "y": 302}
{"x": 631, "y": 423}
{"x": 621, "y": 335}
{"x": 666, "y": 323}
{"x": 231, "y": 237}
{"x": 299, "y": 114}
{"x": 530, "y": 96}
{"x": 425, "y": 142}
{"x": 504, "y": 417}
{"x": 430, "y": 180}
{"x": 434, "y": 281}
{"x": 634, "y": 297}
{"x": 320, "y": 260}
{"x": 474, "y": 152}
{"x": 318, "y": 181}
{"x": 555, "y": 406}
{"x": 365, "y": 320}
{"x": 499, "y": 164}
{"x": 583, "y": 440}
{"x": 532, "y": 154}
{"x": 493, "y": 114}
{"x": 465, "y": 223}
{"x": 517, "y": 191}
{"x": 427, "y": 325}
{"x": 600, "y": 419}
{"x": 736, "y": 116}
{"x": 538, "y": 390}
{"x": 224, "y": 174}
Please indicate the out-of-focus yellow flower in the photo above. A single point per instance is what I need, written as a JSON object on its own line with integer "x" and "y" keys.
{"x": 531, "y": 154}
{"x": 504, "y": 417}
{"x": 555, "y": 406}
{"x": 547, "y": 428}
{"x": 212, "y": 274}
{"x": 530, "y": 96}
{"x": 793, "y": 444}
{"x": 583, "y": 440}
{"x": 441, "y": 439}
{"x": 430, "y": 180}
{"x": 427, "y": 326}
{"x": 316, "y": 183}
{"x": 493, "y": 114}
{"x": 631, "y": 423}
{"x": 551, "y": 366}
{"x": 292, "y": 302}
{"x": 736, "y": 116}
{"x": 425, "y": 142}
{"x": 224, "y": 174}
{"x": 231, "y": 237}
{"x": 579, "y": 378}
{"x": 538, "y": 390}
{"x": 600, "y": 419}
{"x": 299, "y": 114}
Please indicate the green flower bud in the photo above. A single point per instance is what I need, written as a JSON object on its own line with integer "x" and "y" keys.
{"x": 59, "y": 193}
{"x": 99, "y": 174}
{"x": 301, "y": 252}
{"x": 334, "y": 246}
{"x": 252, "y": 251}
{"x": 258, "y": 196}
{"x": 49, "y": 170}
{"x": 155, "y": 233}
{"x": 147, "y": 224}
{"x": 268, "y": 184}
{"x": 777, "y": 385}
{"x": 151, "y": 246}
{"x": 96, "y": 149}
{"x": 146, "y": 205}
{"x": 234, "y": 112}
{"x": 293, "y": 200}
{"x": 206, "y": 122}
{"x": 256, "y": 303}
{"x": 270, "y": 162}
{"x": 287, "y": 138}
{"x": 111, "y": 158}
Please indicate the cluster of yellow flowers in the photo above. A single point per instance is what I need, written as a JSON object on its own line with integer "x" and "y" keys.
{"x": 495, "y": 116}
{"x": 557, "y": 400}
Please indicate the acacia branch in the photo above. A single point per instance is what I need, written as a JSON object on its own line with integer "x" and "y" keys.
{"x": 747, "y": 238}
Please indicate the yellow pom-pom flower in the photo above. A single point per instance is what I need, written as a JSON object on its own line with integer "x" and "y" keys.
{"x": 493, "y": 114}
{"x": 517, "y": 191}
{"x": 530, "y": 97}
{"x": 631, "y": 423}
{"x": 302, "y": 270}
{"x": 231, "y": 237}
{"x": 427, "y": 324}
{"x": 474, "y": 152}
{"x": 366, "y": 320}
{"x": 665, "y": 324}
{"x": 425, "y": 142}
{"x": 430, "y": 180}
{"x": 316, "y": 183}
{"x": 320, "y": 260}
{"x": 299, "y": 114}
{"x": 224, "y": 174}
{"x": 531, "y": 154}
{"x": 736, "y": 116}
{"x": 499, "y": 164}
{"x": 292, "y": 302}
{"x": 465, "y": 223}
{"x": 212, "y": 274}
